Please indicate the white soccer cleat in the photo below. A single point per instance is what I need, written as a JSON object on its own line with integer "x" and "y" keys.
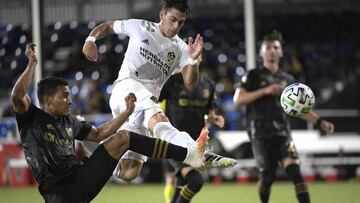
{"x": 194, "y": 157}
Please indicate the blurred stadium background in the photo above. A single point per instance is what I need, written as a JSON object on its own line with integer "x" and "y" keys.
{"x": 322, "y": 50}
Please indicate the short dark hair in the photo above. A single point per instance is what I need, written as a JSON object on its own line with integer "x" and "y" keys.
{"x": 48, "y": 86}
{"x": 273, "y": 36}
{"x": 181, "y": 5}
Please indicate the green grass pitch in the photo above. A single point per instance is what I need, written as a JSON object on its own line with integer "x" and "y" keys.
{"x": 282, "y": 192}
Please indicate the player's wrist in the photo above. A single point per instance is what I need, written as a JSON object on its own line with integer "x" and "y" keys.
{"x": 319, "y": 121}
{"x": 192, "y": 61}
{"x": 90, "y": 39}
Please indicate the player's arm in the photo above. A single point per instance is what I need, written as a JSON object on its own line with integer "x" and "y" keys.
{"x": 99, "y": 32}
{"x": 244, "y": 97}
{"x": 20, "y": 100}
{"x": 325, "y": 125}
{"x": 109, "y": 128}
{"x": 190, "y": 72}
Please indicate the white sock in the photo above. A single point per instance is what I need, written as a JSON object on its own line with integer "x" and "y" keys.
{"x": 167, "y": 132}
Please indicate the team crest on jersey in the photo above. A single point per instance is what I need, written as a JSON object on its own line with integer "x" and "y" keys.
{"x": 69, "y": 131}
{"x": 263, "y": 83}
{"x": 50, "y": 127}
{"x": 170, "y": 56}
{"x": 206, "y": 93}
{"x": 182, "y": 93}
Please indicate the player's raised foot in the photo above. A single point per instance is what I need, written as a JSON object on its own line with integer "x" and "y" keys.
{"x": 213, "y": 160}
{"x": 194, "y": 157}
{"x": 202, "y": 139}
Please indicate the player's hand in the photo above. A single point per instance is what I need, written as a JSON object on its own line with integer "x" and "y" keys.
{"x": 273, "y": 89}
{"x": 30, "y": 52}
{"x": 195, "y": 47}
{"x": 219, "y": 121}
{"x": 130, "y": 100}
{"x": 327, "y": 127}
{"x": 90, "y": 51}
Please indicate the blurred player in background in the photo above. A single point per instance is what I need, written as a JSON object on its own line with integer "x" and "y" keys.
{"x": 48, "y": 137}
{"x": 154, "y": 51}
{"x": 186, "y": 110}
{"x": 267, "y": 124}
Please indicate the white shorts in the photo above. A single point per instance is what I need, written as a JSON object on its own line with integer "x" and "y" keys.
{"x": 145, "y": 107}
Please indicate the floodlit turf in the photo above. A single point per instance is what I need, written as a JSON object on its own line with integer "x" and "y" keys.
{"x": 282, "y": 192}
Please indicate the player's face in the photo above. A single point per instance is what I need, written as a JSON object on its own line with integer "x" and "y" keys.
{"x": 271, "y": 51}
{"x": 59, "y": 104}
{"x": 172, "y": 20}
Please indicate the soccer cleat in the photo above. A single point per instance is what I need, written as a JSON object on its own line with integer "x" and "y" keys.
{"x": 194, "y": 157}
{"x": 213, "y": 160}
{"x": 202, "y": 139}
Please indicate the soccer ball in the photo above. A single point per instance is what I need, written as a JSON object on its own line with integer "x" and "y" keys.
{"x": 297, "y": 99}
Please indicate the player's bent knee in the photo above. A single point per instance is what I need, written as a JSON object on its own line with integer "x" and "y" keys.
{"x": 122, "y": 138}
{"x": 129, "y": 170}
{"x": 127, "y": 176}
{"x": 117, "y": 145}
{"x": 159, "y": 117}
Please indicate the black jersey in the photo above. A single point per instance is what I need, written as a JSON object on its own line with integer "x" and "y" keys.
{"x": 49, "y": 143}
{"x": 265, "y": 117}
{"x": 185, "y": 108}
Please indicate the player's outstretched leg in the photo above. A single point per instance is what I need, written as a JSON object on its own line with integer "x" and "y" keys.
{"x": 211, "y": 159}
{"x": 160, "y": 149}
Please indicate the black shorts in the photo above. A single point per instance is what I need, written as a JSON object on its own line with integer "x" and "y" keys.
{"x": 270, "y": 151}
{"x": 85, "y": 182}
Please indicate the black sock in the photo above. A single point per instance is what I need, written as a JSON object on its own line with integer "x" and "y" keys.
{"x": 194, "y": 182}
{"x": 156, "y": 148}
{"x": 264, "y": 193}
{"x": 301, "y": 190}
{"x": 180, "y": 182}
{"x": 267, "y": 177}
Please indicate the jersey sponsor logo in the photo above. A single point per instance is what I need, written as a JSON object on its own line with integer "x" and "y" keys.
{"x": 155, "y": 60}
{"x": 191, "y": 103}
{"x": 145, "y": 41}
{"x": 66, "y": 143}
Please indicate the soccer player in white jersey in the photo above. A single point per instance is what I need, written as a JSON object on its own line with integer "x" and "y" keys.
{"x": 154, "y": 51}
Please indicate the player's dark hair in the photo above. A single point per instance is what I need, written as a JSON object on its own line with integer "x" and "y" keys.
{"x": 48, "y": 86}
{"x": 273, "y": 36}
{"x": 181, "y": 5}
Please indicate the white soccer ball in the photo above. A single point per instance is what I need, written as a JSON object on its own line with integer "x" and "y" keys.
{"x": 297, "y": 99}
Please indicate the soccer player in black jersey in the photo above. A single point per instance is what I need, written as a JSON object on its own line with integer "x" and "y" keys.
{"x": 48, "y": 136}
{"x": 267, "y": 124}
{"x": 186, "y": 110}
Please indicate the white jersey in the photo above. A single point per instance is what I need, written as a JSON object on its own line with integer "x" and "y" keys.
{"x": 150, "y": 57}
